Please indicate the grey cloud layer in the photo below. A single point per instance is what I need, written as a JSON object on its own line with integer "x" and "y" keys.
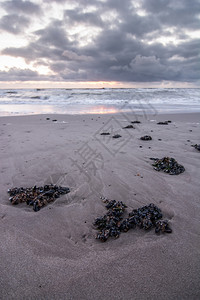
{"x": 13, "y": 23}
{"x": 122, "y": 45}
{"x": 20, "y": 6}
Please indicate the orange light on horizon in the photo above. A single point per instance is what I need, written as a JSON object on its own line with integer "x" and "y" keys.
{"x": 102, "y": 110}
{"x": 59, "y": 84}
{"x": 90, "y": 84}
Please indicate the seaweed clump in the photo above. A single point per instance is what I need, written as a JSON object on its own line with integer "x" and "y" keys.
{"x": 164, "y": 123}
{"x": 145, "y": 217}
{"x": 196, "y": 147}
{"x": 146, "y": 138}
{"x": 168, "y": 165}
{"x": 109, "y": 224}
{"x": 36, "y": 196}
{"x": 128, "y": 127}
{"x": 136, "y": 122}
{"x": 116, "y": 136}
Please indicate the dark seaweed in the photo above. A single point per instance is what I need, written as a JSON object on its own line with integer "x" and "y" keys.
{"x": 145, "y": 217}
{"x": 196, "y": 147}
{"x": 128, "y": 127}
{"x": 146, "y": 138}
{"x": 168, "y": 165}
{"x": 36, "y": 196}
{"x": 116, "y": 136}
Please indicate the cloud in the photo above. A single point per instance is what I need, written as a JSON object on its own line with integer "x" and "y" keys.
{"x": 70, "y": 55}
{"x": 18, "y": 74}
{"x": 56, "y": 1}
{"x": 175, "y": 13}
{"x": 20, "y": 6}
{"x": 112, "y": 40}
{"x": 13, "y": 23}
{"x": 53, "y": 35}
{"x": 76, "y": 16}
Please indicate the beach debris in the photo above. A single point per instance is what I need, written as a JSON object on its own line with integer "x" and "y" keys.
{"x": 109, "y": 224}
{"x": 168, "y": 165}
{"x": 162, "y": 226}
{"x": 128, "y": 127}
{"x": 36, "y": 196}
{"x": 146, "y": 138}
{"x": 163, "y": 123}
{"x": 196, "y": 147}
{"x": 116, "y": 136}
{"x": 135, "y": 122}
{"x": 105, "y": 133}
{"x": 47, "y": 118}
{"x": 145, "y": 217}
{"x": 54, "y": 120}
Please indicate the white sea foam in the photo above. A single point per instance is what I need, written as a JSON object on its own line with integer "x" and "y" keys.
{"x": 72, "y": 101}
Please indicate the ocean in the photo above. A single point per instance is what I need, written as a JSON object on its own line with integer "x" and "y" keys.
{"x": 92, "y": 101}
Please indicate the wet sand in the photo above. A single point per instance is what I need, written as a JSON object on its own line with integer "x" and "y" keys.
{"x": 53, "y": 253}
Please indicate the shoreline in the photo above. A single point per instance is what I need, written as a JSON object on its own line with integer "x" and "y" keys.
{"x": 188, "y": 115}
{"x": 53, "y": 253}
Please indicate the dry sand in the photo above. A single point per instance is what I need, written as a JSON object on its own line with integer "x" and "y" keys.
{"x": 52, "y": 254}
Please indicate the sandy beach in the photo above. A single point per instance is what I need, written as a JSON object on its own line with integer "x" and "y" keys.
{"x": 53, "y": 253}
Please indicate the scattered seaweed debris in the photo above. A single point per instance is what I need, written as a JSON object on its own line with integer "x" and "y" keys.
{"x": 109, "y": 224}
{"x": 146, "y": 138}
{"x": 105, "y": 133}
{"x": 163, "y": 226}
{"x": 196, "y": 147}
{"x": 146, "y": 217}
{"x": 164, "y": 123}
{"x": 36, "y": 196}
{"x": 116, "y": 136}
{"x": 168, "y": 165}
{"x": 129, "y": 126}
{"x": 135, "y": 122}
{"x": 112, "y": 223}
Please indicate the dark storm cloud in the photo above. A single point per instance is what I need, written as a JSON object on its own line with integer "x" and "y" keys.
{"x": 140, "y": 26}
{"x": 124, "y": 47}
{"x": 175, "y": 13}
{"x": 20, "y": 74}
{"x": 75, "y": 16}
{"x": 20, "y": 6}
{"x": 13, "y": 23}
{"x": 56, "y": 1}
{"x": 50, "y": 43}
{"x": 53, "y": 35}
{"x": 23, "y": 75}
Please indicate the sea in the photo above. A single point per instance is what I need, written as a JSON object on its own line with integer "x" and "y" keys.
{"x": 98, "y": 101}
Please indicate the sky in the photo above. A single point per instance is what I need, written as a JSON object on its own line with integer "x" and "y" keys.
{"x": 99, "y": 43}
